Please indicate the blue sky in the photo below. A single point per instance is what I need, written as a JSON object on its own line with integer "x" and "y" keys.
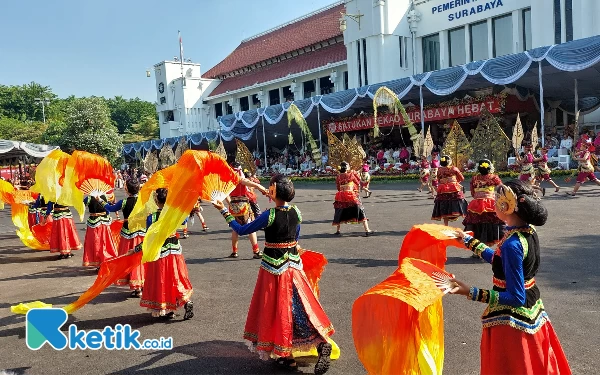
{"x": 104, "y": 47}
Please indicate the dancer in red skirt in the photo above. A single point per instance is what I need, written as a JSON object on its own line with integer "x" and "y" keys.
{"x": 517, "y": 336}
{"x": 167, "y": 286}
{"x": 284, "y": 313}
{"x": 545, "y": 171}
{"x": 129, "y": 239}
{"x": 450, "y": 203}
{"x": 348, "y": 208}
{"x": 63, "y": 238}
{"x": 481, "y": 217}
{"x": 586, "y": 168}
{"x": 98, "y": 245}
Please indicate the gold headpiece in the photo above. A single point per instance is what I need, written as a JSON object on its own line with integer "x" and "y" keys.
{"x": 506, "y": 200}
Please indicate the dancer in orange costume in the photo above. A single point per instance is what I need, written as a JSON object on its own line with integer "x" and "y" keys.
{"x": 586, "y": 168}
{"x": 167, "y": 286}
{"x": 98, "y": 245}
{"x": 517, "y": 336}
{"x": 347, "y": 205}
{"x": 64, "y": 238}
{"x": 284, "y": 313}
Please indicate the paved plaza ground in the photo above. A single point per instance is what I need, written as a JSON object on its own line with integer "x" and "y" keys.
{"x": 211, "y": 343}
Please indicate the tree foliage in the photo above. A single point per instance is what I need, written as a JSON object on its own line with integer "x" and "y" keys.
{"x": 145, "y": 130}
{"x": 19, "y": 102}
{"x": 125, "y": 113}
{"x": 88, "y": 128}
{"x": 22, "y": 131}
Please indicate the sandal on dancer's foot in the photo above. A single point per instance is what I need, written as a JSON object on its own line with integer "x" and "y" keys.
{"x": 233, "y": 255}
{"x": 324, "y": 360}
{"x": 257, "y": 255}
{"x": 60, "y": 256}
{"x": 168, "y": 316}
{"x": 287, "y": 363}
{"x": 70, "y": 255}
{"x": 557, "y": 189}
{"x": 337, "y": 233}
{"x": 189, "y": 310}
{"x": 369, "y": 195}
{"x": 369, "y": 233}
{"x": 569, "y": 193}
{"x": 136, "y": 293}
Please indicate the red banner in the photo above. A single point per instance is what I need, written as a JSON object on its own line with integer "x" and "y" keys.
{"x": 473, "y": 109}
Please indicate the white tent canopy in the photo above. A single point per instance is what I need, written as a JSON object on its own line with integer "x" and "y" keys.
{"x": 14, "y": 149}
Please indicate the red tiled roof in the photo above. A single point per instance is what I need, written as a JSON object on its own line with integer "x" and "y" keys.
{"x": 306, "y": 32}
{"x": 301, "y": 63}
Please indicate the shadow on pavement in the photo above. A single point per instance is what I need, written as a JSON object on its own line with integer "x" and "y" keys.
{"x": 363, "y": 262}
{"x": 210, "y": 357}
{"x": 55, "y": 272}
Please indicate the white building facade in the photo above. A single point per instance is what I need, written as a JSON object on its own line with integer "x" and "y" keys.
{"x": 377, "y": 41}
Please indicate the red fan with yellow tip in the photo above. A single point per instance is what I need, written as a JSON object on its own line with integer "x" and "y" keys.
{"x": 85, "y": 173}
{"x": 398, "y": 324}
{"x": 313, "y": 264}
{"x": 196, "y": 174}
{"x": 145, "y": 205}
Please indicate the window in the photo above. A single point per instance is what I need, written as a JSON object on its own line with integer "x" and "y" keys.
{"x": 479, "y": 41}
{"x": 359, "y": 64}
{"x": 244, "y": 103}
{"x": 309, "y": 89}
{"x": 569, "y": 19}
{"x": 457, "y": 47}
{"x": 527, "y": 29}
{"x": 431, "y": 53}
{"x": 502, "y": 31}
{"x": 403, "y": 52}
{"x": 274, "y": 97}
{"x": 364, "y": 43}
{"x": 218, "y": 110}
{"x": 557, "y": 22}
{"x": 326, "y": 85}
{"x": 170, "y": 116}
{"x": 228, "y": 109}
{"x": 255, "y": 100}
{"x": 346, "y": 80}
{"x": 288, "y": 95}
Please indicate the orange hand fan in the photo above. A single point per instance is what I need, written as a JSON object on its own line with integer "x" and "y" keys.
{"x": 49, "y": 175}
{"x": 81, "y": 170}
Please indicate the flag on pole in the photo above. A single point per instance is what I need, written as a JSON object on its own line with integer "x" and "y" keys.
{"x": 180, "y": 51}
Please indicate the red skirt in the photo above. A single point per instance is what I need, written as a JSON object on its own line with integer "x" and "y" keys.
{"x": 64, "y": 237}
{"x": 135, "y": 279}
{"x": 506, "y": 350}
{"x": 32, "y": 219}
{"x": 284, "y": 315}
{"x": 167, "y": 286}
{"x": 98, "y": 246}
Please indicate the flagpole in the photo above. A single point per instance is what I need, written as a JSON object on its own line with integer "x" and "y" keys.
{"x": 180, "y": 52}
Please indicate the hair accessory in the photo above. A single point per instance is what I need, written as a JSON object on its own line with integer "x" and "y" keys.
{"x": 506, "y": 200}
{"x": 484, "y": 165}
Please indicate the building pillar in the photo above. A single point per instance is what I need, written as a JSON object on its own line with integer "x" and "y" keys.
{"x": 444, "y": 50}
{"x": 490, "y": 29}
{"x": 517, "y": 35}
{"x": 468, "y": 43}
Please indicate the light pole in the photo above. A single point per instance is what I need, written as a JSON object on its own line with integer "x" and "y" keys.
{"x": 44, "y": 103}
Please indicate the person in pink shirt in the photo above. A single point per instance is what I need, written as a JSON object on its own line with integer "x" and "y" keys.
{"x": 404, "y": 155}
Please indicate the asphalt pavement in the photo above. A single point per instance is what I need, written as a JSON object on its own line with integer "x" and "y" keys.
{"x": 211, "y": 343}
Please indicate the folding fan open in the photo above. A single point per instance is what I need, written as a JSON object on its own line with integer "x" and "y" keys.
{"x": 95, "y": 187}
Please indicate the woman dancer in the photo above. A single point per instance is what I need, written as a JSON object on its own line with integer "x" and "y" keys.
{"x": 197, "y": 211}
{"x": 98, "y": 245}
{"x": 481, "y": 217}
{"x": 424, "y": 176}
{"x": 167, "y": 286}
{"x": 284, "y": 313}
{"x": 517, "y": 336}
{"x": 347, "y": 205}
{"x": 365, "y": 180}
{"x": 63, "y": 237}
{"x": 586, "y": 168}
{"x": 527, "y": 174}
{"x": 544, "y": 170}
{"x": 450, "y": 203}
{"x": 435, "y": 164}
{"x": 129, "y": 239}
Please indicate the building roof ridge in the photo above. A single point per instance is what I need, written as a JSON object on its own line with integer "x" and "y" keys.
{"x": 313, "y": 13}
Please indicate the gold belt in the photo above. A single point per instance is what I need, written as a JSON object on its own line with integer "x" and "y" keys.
{"x": 281, "y": 245}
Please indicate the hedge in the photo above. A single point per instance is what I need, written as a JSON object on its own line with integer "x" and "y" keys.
{"x": 414, "y": 177}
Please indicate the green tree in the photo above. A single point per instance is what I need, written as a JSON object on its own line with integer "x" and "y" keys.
{"x": 54, "y": 133}
{"x": 125, "y": 113}
{"x": 19, "y": 102}
{"x": 88, "y": 128}
{"x": 145, "y": 130}
{"x": 22, "y": 131}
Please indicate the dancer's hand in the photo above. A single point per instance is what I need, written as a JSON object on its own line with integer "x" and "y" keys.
{"x": 218, "y": 205}
{"x": 460, "y": 234}
{"x": 460, "y": 288}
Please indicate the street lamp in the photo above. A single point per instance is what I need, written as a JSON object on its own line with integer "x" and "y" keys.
{"x": 44, "y": 103}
